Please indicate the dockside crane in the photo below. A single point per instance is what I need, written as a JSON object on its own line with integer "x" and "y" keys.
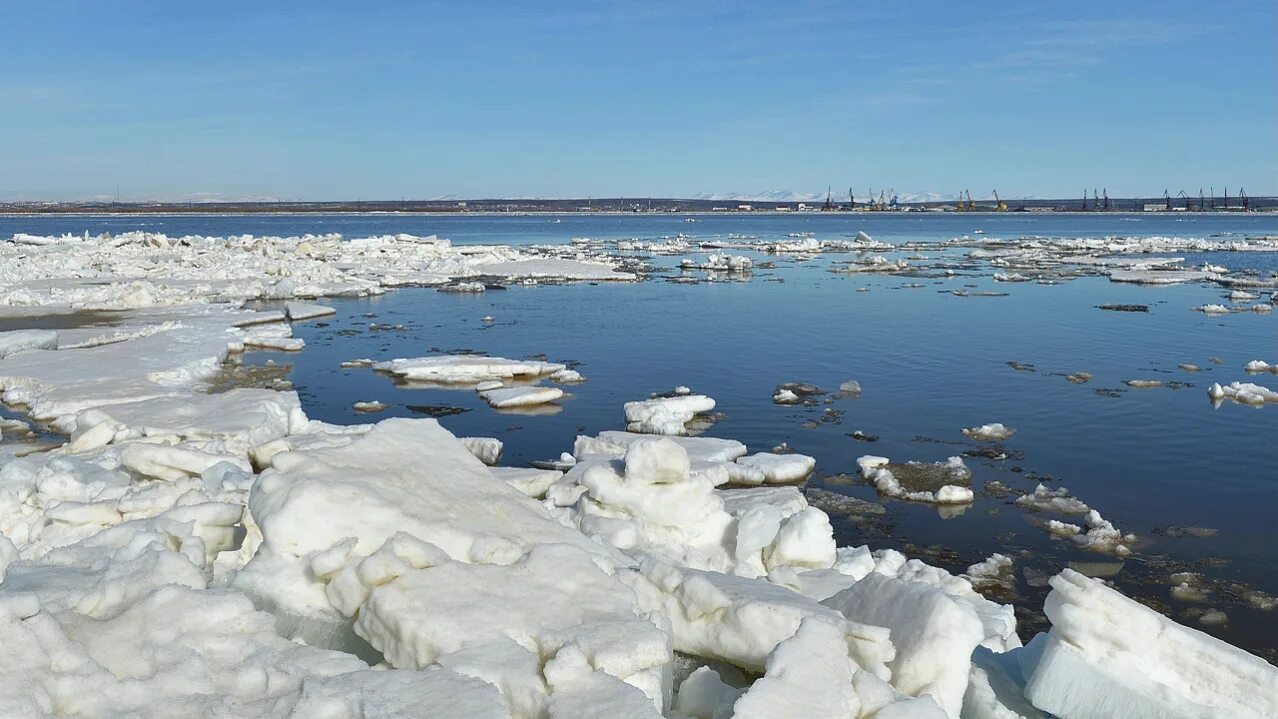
{"x": 999, "y": 205}
{"x": 1106, "y": 199}
{"x": 1213, "y": 198}
{"x": 1182, "y": 195}
{"x": 1202, "y": 202}
{"x": 828, "y": 205}
{"x": 851, "y": 200}
{"x": 960, "y": 206}
{"x": 1167, "y": 200}
{"x": 1084, "y": 199}
{"x": 1246, "y": 201}
{"x": 1225, "y": 206}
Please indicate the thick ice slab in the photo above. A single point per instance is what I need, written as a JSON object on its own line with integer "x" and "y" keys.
{"x": 1109, "y": 656}
{"x": 465, "y": 369}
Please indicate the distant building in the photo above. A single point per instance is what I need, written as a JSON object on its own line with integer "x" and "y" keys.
{"x": 745, "y": 208}
{"x": 802, "y": 206}
{"x": 783, "y": 208}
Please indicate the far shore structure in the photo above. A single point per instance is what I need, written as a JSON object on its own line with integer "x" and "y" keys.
{"x": 169, "y": 551}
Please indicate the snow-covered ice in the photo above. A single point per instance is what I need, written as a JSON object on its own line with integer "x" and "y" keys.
{"x": 465, "y": 369}
{"x": 996, "y": 431}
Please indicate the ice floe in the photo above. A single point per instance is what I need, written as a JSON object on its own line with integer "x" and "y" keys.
{"x": 465, "y": 369}
{"x": 937, "y": 483}
{"x": 993, "y": 432}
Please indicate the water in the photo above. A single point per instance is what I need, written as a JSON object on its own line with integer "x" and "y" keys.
{"x": 930, "y": 363}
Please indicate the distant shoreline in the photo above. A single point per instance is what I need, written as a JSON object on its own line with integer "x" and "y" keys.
{"x": 627, "y": 206}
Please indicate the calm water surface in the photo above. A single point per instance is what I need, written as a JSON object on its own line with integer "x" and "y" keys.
{"x": 930, "y": 363}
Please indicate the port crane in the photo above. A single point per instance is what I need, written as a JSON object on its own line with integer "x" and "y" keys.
{"x": 1106, "y": 199}
{"x": 851, "y": 200}
{"x": 828, "y": 205}
{"x": 1184, "y": 196}
{"x": 1084, "y": 199}
{"x": 1167, "y": 200}
{"x": 999, "y": 205}
{"x": 1246, "y": 202}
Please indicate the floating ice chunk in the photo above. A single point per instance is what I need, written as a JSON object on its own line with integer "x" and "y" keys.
{"x": 786, "y": 396}
{"x": 464, "y": 287}
{"x": 1261, "y": 366}
{"x": 1158, "y": 277}
{"x": 919, "y": 482}
{"x": 1010, "y": 277}
{"x": 19, "y": 340}
{"x": 1242, "y": 296}
{"x": 665, "y": 415}
{"x": 298, "y": 311}
{"x": 465, "y": 369}
{"x": 1052, "y": 500}
{"x": 369, "y": 406}
{"x": 350, "y": 364}
{"x": 1213, "y": 309}
{"x": 567, "y": 376}
{"x": 851, "y": 387}
{"x": 994, "y": 571}
{"x": 780, "y": 468}
{"x": 1243, "y": 393}
{"x": 273, "y": 337}
{"x": 520, "y": 396}
{"x": 1109, "y": 656}
{"x": 996, "y": 431}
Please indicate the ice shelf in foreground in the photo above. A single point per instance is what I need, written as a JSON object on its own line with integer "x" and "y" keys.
{"x": 1109, "y": 656}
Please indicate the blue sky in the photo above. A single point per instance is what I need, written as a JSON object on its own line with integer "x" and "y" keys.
{"x": 487, "y": 99}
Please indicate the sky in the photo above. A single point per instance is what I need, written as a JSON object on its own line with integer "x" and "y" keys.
{"x": 389, "y": 100}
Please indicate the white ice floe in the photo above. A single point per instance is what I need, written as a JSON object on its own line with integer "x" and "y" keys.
{"x": 1213, "y": 309}
{"x": 876, "y": 470}
{"x": 1243, "y": 393}
{"x": 298, "y": 311}
{"x": 465, "y": 369}
{"x": 666, "y": 415}
{"x": 1098, "y": 535}
{"x": 1052, "y": 500}
{"x": 520, "y": 396}
{"x": 1108, "y": 655}
{"x": 993, "y": 432}
{"x": 780, "y": 468}
{"x": 369, "y": 406}
{"x": 1258, "y": 366}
